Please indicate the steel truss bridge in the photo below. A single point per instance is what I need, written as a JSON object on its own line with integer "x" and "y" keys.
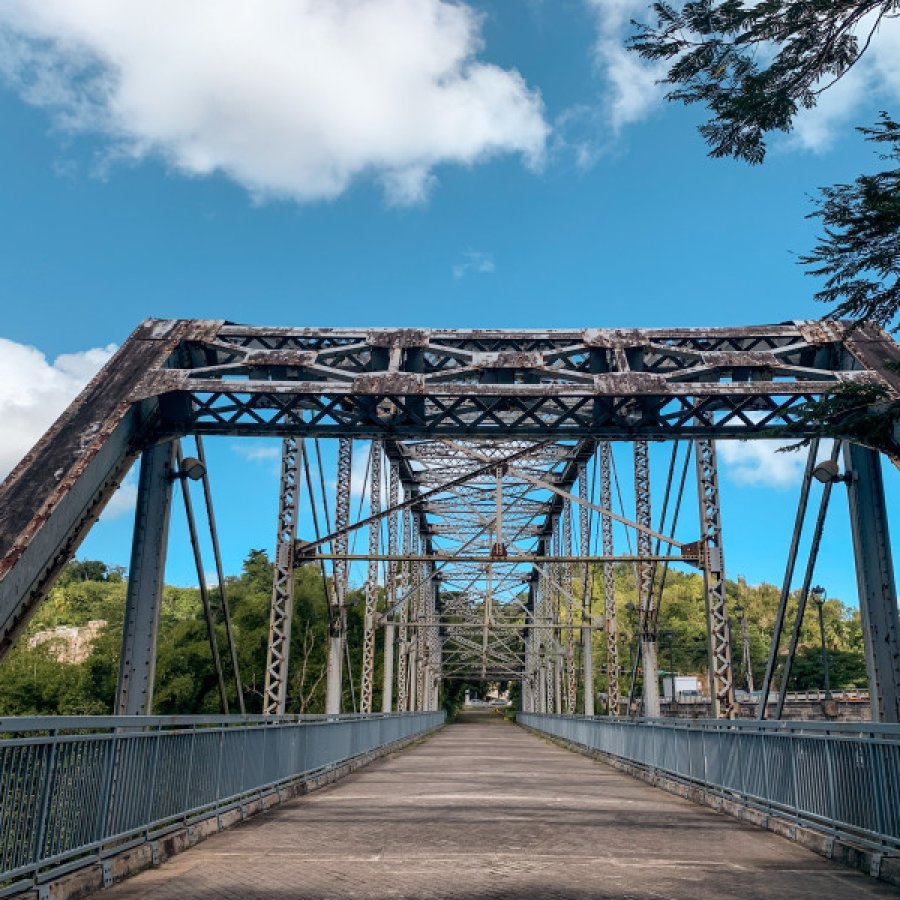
{"x": 489, "y": 521}
{"x": 489, "y": 487}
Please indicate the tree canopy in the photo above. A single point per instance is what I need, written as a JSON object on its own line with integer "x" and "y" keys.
{"x": 757, "y": 63}
{"x": 755, "y": 66}
{"x": 34, "y": 681}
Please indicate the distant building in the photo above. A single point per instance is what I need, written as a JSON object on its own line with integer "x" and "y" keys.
{"x": 685, "y": 686}
{"x": 69, "y": 644}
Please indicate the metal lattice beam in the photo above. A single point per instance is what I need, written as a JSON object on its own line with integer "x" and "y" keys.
{"x": 368, "y": 664}
{"x": 609, "y": 584}
{"x": 278, "y": 656}
{"x": 721, "y": 676}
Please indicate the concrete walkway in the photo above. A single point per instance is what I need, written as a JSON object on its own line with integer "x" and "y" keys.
{"x": 484, "y": 809}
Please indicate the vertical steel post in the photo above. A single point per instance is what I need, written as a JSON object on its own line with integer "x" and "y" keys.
{"x": 778, "y": 629}
{"x": 419, "y": 634}
{"x": 721, "y": 676}
{"x": 437, "y": 649}
{"x": 557, "y": 621}
{"x": 527, "y": 693}
{"x": 338, "y": 618}
{"x": 568, "y": 584}
{"x": 278, "y": 654}
{"x": 609, "y": 583}
{"x": 201, "y": 578}
{"x": 584, "y": 548}
{"x": 368, "y": 662}
{"x": 875, "y": 577}
{"x": 137, "y": 662}
{"x": 647, "y": 601}
{"x": 387, "y": 691}
{"x": 403, "y": 660}
{"x": 805, "y": 587}
{"x": 220, "y": 576}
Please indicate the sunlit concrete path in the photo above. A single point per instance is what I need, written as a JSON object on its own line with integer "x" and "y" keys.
{"x": 484, "y": 809}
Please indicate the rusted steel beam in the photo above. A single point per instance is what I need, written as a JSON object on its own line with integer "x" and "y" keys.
{"x": 50, "y": 500}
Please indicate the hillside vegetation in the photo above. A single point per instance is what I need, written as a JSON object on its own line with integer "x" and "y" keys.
{"x": 34, "y": 682}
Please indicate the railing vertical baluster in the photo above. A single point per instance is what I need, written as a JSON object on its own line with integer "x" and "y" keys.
{"x": 220, "y": 756}
{"x": 832, "y": 798}
{"x": 148, "y": 810}
{"x": 103, "y": 807}
{"x": 46, "y": 797}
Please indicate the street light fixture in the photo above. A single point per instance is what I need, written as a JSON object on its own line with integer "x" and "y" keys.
{"x": 190, "y": 467}
{"x": 745, "y": 641}
{"x": 828, "y": 472}
{"x": 818, "y": 594}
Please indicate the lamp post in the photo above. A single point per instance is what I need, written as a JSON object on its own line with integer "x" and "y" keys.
{"x": 745, "y": 638}
{"x": 818, "y": 593}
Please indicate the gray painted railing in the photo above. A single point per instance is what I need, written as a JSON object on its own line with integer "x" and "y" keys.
{"x": 839, "y": 778}
{"x": 75, "y": 788}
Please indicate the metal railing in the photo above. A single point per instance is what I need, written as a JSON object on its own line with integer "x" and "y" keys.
{"x": 842, "y": 779}
{"x": 73, "y": 789}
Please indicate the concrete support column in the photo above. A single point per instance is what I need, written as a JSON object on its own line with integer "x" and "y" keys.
{"x": 137, "y": 662}
{"x": 387, "y": 685}
{"x": 650, "y": 662}
{"x": 335, "y": 674}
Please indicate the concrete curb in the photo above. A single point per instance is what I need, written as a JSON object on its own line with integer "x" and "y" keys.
{"x": 100, "y": 874}
{"x": 884, "y": 868}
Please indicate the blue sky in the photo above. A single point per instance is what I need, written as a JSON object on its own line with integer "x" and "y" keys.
{"x": 147, "y": 169}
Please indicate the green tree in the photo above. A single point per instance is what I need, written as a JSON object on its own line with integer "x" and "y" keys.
{"x": 755, "y": 64}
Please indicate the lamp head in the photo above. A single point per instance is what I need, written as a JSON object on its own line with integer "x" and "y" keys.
{"x": 828, "y": 471}
{"x": 192, "y": 468}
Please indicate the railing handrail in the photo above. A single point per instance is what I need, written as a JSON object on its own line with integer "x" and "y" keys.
{"x": 25, "y": 724}
{"x": 768, "y": 726}
{"x": 74, "y": 788}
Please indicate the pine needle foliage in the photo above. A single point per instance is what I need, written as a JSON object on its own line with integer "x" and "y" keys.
{"x": 755, "y": 65}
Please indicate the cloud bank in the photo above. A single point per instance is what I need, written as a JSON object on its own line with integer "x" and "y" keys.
{"x": 762, "y": 462}
{"x": 292, "y": 99}
{"x": 34, "y": 391}
{"x": 475, "y": 262}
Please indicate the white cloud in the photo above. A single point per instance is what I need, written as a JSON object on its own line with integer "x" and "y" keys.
{"x": 474, "y": 262}
{"x": 633, "y": 91}
{"x": 258, "y": 452}
{"x": 876, "y": 77}
{"x": 34, "y": 391}
{"x": 762, "y": 462}
{"x": 289, "y": 98}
